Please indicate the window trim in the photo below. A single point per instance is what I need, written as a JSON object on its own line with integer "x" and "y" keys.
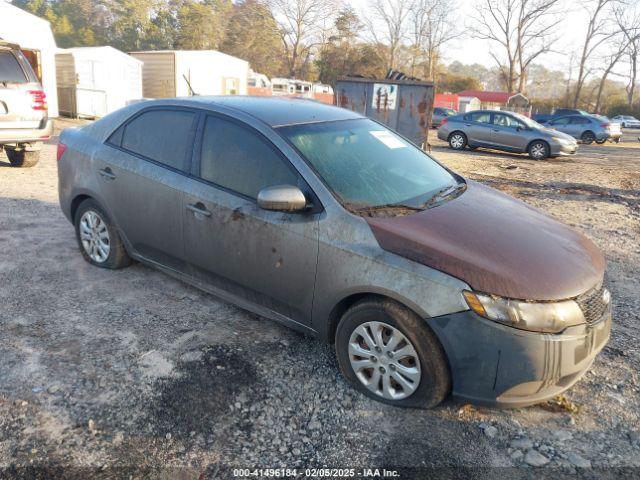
{"x": 316, "y": 205}
{"x": 186, "y": 161}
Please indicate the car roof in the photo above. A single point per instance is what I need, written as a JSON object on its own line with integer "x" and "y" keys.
{"x": 281, "y": 111}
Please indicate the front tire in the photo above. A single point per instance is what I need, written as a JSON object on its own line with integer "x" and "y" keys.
{"x": 539, "y": 150}
{"x": 600, "y": 142}
{"x": 390, "y": 354}
{"x": 22, "y": 158}
{"x": 98, "y": 238}
{"x": 457, "y": 141}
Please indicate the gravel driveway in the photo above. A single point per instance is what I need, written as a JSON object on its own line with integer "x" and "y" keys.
{"x": 130, "y": 373}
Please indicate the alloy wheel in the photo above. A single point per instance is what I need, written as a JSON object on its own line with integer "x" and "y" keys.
{"x": 457, "y": 141}
{"x": 538, "y": 151}
{"x": 94, "y": 236}
{"x": 384, "y": 360}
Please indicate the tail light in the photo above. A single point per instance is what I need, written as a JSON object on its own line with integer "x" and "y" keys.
{"x": 444, "y": 121}
{"x": 605, "y": 125}
{"x": 61, "y": 149}
{"x": 39, "y": 99}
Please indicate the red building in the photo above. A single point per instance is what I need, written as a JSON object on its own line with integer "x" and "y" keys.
{"x": 447, "y": 100}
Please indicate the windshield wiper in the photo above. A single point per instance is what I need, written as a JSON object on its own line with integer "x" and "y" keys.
{"x": 444, "y": 192}
{"x": 388, "y": 206}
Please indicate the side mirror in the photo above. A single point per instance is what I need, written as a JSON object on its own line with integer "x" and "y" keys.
{"x": 283, "y": 198}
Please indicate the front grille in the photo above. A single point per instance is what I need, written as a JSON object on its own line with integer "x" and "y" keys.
{"x": 594, "y": 304}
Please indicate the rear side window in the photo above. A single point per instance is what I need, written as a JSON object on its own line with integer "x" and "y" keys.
{"x": 10, "y": 69}
{"x": 159, "y": 135}
{"x": 579, "y": 120}
{"x": 240, "y": 160}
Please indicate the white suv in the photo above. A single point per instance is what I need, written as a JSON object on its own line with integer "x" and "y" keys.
{"x": 24, "y": 121}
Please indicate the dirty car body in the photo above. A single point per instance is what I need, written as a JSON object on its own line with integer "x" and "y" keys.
{"x": 439, "y": 255}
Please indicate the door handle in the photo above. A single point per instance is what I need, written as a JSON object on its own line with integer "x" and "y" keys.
{"x": 199, "y": 209}
{"x": 468, "y": 124}
{"x": 107, "y": 173}
{"x": 496, "y": 129}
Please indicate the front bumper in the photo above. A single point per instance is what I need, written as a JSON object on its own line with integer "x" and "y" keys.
{"x": 498, "y": 365}
{"x": 26, "y": 135}
{"x": 564, "y": 149}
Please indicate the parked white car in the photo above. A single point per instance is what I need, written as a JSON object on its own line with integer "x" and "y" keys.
{"x": 627, "y": 121}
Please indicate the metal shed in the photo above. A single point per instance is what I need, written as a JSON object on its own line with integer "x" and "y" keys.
{"x": 403, "y": 105}
{"x": 168, "y": 73}
{"x": 35, "y": 38}
{"x": 94, "y": 81}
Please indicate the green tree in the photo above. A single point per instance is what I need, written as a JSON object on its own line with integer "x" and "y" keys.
{"x": 262, "y": 50}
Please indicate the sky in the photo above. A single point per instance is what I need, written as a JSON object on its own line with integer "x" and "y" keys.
{"x": 471, "y": 50}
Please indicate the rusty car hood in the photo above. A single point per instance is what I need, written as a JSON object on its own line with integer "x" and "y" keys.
{"x": 496, "y": 244}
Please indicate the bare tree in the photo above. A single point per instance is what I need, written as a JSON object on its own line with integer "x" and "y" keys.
{"x": 618, "y": 49}
{"x": 627, "y": 16}
{"x": 598, "y": 31}
{"x": 432, "y": 27}
{"x": 523, "y": 29}
{"x": 387, "y": 22}
{"x": 302, "y": 25}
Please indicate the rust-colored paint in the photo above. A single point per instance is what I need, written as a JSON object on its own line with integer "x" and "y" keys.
{"x": 497, "y": 245}
{"x": 344, "y": 100}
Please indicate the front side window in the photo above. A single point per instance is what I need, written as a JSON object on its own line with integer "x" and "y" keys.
{"x": 560, "y": 121}
{"x": 367, "y": 165}
{"x": 10, "y": 69}
{"x": 505, "y": 121}
{"x": 160, "y": 135}
{"x": 240, "y": 160}
{"x": 481, "y": 117}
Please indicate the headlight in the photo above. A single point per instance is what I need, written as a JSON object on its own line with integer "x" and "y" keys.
{"x": 549, "y": 317}
{"x": 564, "y": 141}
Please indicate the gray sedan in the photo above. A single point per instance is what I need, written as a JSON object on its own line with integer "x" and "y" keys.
{"x": 588, "y": 128}
{"x": 332, "y": 224}
{"x": 505, "y": 131}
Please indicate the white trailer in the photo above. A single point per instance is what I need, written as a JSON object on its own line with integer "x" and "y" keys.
{"x": 35, "y": 38}
{"x": 182, "y": 73}
{"x": 94, "y": 81}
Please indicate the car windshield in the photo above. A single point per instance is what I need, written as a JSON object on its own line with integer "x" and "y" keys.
{"x": 449, "y": 112}
{"x": 368, "y": 166}
{"x": 527, "y": 121}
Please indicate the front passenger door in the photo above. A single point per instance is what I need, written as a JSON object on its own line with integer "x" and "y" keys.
{"x": 478, "y": 128}
{"x": 266, "y": 258}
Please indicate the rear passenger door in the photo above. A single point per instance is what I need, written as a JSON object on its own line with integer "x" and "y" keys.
{"x": 478, "y": 127}
{"x": 142, "y": 175}
{"x": 266, "y": 258}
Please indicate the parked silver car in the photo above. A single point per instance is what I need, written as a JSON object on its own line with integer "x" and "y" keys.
{"x": 506, "y": 131}
{"x": 627, "y": 121}
{"x": 329, "y": 222}
{"x": 439, "y": 114}
{"x": 587, "y": 128}
{"x": 24, "y": 122}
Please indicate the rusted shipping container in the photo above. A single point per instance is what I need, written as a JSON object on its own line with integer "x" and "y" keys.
{"x": 405, "y": 106}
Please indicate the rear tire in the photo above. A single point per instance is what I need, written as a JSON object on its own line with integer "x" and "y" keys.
{"x": 22, "y": 158}
{"x": 98, "y": 237}
{"x": 428, "y": 380}
{"x": 539, "y": 150}
{"x": 588, "y": 137}
{"x": 458, "y": 141}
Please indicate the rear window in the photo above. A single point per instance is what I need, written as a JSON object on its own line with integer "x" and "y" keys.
{"x": 10, "y": 69}
{"x": 159, "y": 135}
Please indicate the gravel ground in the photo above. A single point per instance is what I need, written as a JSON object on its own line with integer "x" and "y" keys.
{"x": 133, "y": 374}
